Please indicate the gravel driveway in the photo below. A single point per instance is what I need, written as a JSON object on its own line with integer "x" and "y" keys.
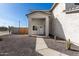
{"x": 18, "y": 45}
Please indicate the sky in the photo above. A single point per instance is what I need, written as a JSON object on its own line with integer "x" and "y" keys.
{"x": 12, "y": 13}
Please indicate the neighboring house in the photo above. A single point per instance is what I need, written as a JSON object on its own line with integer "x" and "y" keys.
{"x": 62, "y": 20}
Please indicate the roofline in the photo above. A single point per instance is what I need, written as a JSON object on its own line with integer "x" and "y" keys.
{"x": 37, "y": 11}
{"x": 54, "y": 6}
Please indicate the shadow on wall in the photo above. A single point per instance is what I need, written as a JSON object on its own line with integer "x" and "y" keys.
{"x": 61, "y": 45}
{"x": 57, "y": 29}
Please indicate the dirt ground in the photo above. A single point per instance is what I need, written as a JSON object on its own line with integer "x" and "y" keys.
{"x": 60, "y": 46}
{"x": 23, "y": 45}
{"x": 18, "y": 45}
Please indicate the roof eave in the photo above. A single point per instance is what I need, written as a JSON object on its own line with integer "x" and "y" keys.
{"x": 54, "y": 6}
{"x": 36, "y": 11}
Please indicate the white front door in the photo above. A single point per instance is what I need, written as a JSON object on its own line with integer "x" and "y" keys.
{"x": 40, "y": 29}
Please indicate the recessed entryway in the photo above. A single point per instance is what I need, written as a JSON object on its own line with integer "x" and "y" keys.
{"x": 38, "y": 26}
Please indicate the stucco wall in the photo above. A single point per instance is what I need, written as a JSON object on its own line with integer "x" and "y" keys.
{"x": 66, "y": 25}
{"x": 39, "y": 15}
{"x": 50, "y": 24}
{"x": 37, "y": 22}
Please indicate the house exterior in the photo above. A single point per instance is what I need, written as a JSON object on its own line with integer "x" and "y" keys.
{"x": 66, "y": 21}
{"x": 39, "y": 23}
{"x": 62, "y": 20}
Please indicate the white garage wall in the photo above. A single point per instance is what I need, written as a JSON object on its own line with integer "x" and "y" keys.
{"x": 66, "y": 25}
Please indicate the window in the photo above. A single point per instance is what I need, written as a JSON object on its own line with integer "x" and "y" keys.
{"x": 34, "y": 27}
{"x": 76, "y": 3}
{"x": 72, "y": 8}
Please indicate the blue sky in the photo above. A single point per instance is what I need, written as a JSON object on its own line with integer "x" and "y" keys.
{"x": 11, "y": 13}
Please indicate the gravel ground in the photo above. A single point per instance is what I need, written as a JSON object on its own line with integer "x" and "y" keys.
{"x": 18, "y": 45}
{"x": 23, "y": 45}
{"x": 60, "y": 45}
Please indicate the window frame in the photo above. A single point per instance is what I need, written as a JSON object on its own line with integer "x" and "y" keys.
{"x": 76, "y": 3}
{"x": 34, "y": 28}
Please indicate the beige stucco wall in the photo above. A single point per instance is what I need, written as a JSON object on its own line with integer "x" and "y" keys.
{"x": 38, "y": 15}
{"x": 37, "y": 22}
{"x": 51, "y": 24}
{"x": 66, "y": 25}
